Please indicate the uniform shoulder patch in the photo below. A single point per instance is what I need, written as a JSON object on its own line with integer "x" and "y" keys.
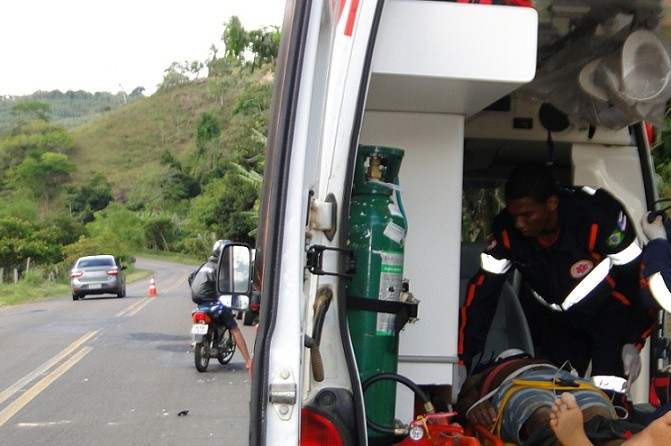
{"x": 615, "y": 238}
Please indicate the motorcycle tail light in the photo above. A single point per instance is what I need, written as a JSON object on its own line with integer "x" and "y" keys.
{"x": 201, "y": 317}
{"x": 317, "y": 430}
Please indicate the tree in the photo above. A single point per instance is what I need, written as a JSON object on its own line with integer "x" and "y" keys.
{"x": 174, "y": 76}
{"x": 21, "y": 240}
{"x": 118, "y": 228}
{"x": 30, "y": 110}
{"x": 137, "y": 92}
{"x": 235, "y": 39}
{"x": 44, "y": 175}
{"x": 265, "y": 44}
{"x": 222, "y": 208}
{"x": 161, "y": 231}
{"x": 661, "y": 152}
{"x": 196, "y": 67}
{"x": 31, "y": 139}
{"x": 91, "y": 197}
{"x": 207, "y": 129}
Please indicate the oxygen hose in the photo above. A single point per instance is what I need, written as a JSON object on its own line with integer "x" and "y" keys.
{"x": 428, "y": 405}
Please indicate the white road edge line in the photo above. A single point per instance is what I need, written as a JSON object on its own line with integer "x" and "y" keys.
{"x": 27, "y": 397}
{"x": 11, "y": 390}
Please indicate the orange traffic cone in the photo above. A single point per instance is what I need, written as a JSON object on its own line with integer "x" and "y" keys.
{"x": 152, "y": 287}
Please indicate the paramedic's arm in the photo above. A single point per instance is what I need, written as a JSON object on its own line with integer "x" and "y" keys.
{"x": 614, "y": 246}
{"x": 616, "y": 237}
{"x": 477, "y": 313}
{"x": 656, "y": 266}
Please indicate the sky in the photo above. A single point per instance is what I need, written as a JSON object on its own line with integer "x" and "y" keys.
{"x": 103, "y": 45}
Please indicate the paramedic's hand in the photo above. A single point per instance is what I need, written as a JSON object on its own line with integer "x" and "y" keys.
{"x": 631, "y": 359}
{"x": 655, "y": 229}
{"x": 483, "y": 414}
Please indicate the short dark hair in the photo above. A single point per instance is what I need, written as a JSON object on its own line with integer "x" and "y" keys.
{"x": 531, "y": 180}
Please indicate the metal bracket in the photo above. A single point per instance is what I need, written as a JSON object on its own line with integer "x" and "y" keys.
{"x": 315, "y": 261}
{"x": 284, "y": 394}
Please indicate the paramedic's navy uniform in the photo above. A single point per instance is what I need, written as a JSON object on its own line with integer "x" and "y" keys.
{"x": 584, "y": 300}
{"x": 656, "y": 275}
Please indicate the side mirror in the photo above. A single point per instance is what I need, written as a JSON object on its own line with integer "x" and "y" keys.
{"x": 234, "y": 274}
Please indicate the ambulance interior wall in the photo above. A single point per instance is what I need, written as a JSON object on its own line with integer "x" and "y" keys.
{"x": 430, "y": 180}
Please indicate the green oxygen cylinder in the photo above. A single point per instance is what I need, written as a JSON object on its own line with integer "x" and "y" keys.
{"x": 377, "y": 229}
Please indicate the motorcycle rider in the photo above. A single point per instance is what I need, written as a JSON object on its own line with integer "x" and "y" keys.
{"x": 204, "y": 289}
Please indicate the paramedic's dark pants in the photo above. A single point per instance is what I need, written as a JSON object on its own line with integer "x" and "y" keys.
{"x": 577, "y": 337}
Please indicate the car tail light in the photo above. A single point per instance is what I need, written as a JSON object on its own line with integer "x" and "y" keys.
{"x": 201, "y": 317}
{"x": 254, "y": 307}
{"x": 317, "y": 430}
{"x": 112, "y": 272}
{"x": 74, "y": 275}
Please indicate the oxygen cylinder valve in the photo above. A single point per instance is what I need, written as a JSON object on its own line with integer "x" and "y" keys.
{"x": 374, "y": 172}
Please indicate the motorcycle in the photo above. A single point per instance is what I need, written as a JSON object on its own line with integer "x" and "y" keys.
{"x": 211, "y": 339}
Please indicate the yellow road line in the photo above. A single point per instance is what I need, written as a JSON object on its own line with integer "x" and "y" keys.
{"x": 11, "y": 390}
{"x": 130, "y": 310}
{"x": 137, "y": 306}
{"x": 31, "y": 393}
{"x": 175, "y": 284}
{"x": 143, "y": 303}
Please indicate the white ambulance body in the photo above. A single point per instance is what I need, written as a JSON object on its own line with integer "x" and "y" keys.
{"x": 458, "y": 88}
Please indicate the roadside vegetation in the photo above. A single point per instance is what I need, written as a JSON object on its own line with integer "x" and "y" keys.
{"x": 161, "y": 175}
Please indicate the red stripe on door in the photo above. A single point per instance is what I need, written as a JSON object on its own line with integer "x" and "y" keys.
{"x": 351, "y": 17}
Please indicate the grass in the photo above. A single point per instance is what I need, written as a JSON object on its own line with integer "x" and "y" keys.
{"x": 23, "y": 292}
{"x": 34, "y": 291}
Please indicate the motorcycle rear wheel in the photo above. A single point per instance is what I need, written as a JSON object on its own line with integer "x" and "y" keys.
{"x": 227, "y": 350}
{"x": 202, "y": 355}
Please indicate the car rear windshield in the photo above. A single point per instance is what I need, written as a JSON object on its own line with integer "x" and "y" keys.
{"x": 95, "y": 262}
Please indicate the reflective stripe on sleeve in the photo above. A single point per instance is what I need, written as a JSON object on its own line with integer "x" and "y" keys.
{"x": 587, "y": 284}
{"x": 626, "y": 255}
{"x": 540, "y": 299}
{"x": 660, "y": 291}
{"x": 494, "y": 265}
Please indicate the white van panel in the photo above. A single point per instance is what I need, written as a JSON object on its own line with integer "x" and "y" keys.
{"x": 431, "y": 182}
{"x": 450, "y": 57}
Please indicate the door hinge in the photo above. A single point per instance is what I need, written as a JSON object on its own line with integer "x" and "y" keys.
{"x": 283, "y": 394}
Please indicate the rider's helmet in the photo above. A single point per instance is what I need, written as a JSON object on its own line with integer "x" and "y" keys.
{"x": 218, "y": 247}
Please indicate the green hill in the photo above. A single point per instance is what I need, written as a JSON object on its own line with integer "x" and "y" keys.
{"x": 68, "y": 109}
{"x": 127, "y": 142}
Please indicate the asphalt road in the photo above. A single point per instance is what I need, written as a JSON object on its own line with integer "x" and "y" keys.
{"x": 109, "y": 371}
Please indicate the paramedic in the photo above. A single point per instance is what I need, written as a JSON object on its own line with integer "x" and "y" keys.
{"x": 576, "y": 250}
{"x": 204, "y": 288}
{"x": 524, "y": 392}
{"x": 656, "y": 265}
